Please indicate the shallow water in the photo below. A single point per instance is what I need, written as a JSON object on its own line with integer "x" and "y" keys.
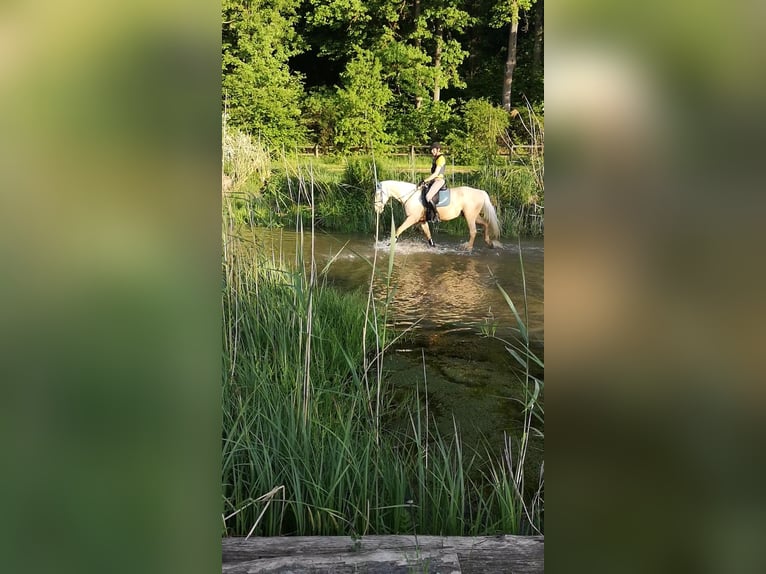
{"x": 445, "y": 296}
{"x": 438, "y": 288}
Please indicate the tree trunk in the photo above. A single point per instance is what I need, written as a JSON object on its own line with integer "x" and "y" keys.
{"x": 510, "y": 62}
{"x": 415, "y": 18}
{"x": 438, "y": 64}
{"x": 537, "y": 50}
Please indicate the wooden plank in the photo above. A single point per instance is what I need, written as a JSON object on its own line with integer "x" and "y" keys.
{"x": 375, "y": 562}
{"x": 478, "y": 554}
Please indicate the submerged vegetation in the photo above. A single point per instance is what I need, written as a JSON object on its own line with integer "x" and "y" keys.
{"x": 312, "y": 442}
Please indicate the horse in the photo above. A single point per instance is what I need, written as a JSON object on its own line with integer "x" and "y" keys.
{"x": 468, "y": 201}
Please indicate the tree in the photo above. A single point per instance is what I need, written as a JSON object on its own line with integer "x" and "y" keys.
{"x": 261, "y": 94}
{"x": 484, "y": 125}
{"x": 508, "y": 12}
{"x": 320, "y": 113}
{"x": 362, "y": 102}
{"x": 437, "y": 26}
{"x": 537, "y": 52}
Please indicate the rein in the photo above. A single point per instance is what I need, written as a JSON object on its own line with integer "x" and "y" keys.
{"x": 409, "y": 195}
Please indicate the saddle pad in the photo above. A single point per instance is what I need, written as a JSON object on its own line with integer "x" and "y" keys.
{"x": 443, "y": 197}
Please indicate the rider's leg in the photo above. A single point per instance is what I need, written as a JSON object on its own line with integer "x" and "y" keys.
{"x": 431, "y": 195}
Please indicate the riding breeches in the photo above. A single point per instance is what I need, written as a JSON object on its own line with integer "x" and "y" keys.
{"x": 436, "y": 185}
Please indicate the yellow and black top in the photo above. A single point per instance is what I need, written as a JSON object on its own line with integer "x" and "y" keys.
{"x": 439, "y": 166}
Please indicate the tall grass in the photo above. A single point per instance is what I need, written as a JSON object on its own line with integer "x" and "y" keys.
{"x": 522, "y": 503}
{"x": 268, "y": 188}
{"x": 309, "y": 446}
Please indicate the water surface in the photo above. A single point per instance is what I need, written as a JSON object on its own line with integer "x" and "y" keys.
{"x": 446, "y": 298}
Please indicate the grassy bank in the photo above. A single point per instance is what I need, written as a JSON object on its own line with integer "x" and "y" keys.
{"x": 308, "y": 445}
{"x": 268, "y": 192}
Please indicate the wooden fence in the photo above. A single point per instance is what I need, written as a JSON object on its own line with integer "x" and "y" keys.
{"x": 411, "y": 151}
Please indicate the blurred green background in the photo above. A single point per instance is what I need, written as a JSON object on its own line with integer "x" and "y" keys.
{"x": 110, "y": 253}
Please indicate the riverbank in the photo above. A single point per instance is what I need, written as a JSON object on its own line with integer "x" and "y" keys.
{"x": 309, "y": 447}
{"x": 334, "y": 193}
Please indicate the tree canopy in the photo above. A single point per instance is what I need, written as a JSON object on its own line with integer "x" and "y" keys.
{"x": 367, "y": 73}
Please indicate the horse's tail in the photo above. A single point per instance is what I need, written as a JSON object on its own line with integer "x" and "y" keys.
{"x": 491, "y": 216}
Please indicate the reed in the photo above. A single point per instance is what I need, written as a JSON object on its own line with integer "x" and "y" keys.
{"x": 308, "y": 439}
{"x": 272, "y": 192}
{"x": 522, "y": 504}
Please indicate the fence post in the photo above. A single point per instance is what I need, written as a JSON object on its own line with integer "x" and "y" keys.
{"x": 412, "y": 154}
{"x": 316, "y": 150}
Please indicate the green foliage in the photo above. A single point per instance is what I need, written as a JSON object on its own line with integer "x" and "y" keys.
{"x": 302, "y": 447}
{"x": 261, "y": 94}
{"x": 421, "y": 125}
{"x": 406, "y": 68}
{"x": 393, "y": 57}
{"x": 507, "y": 11}
{"x": 528, "y": 126}
{"x": 483, "y": 127}
{"x": 320, "y": 113}
{"x": 363, "y": 172}
{"x": 344, "y": 207}
{"x": 436, "y": 29}
{"x": 337, "y": 25}
{"x": 361, "y": 104}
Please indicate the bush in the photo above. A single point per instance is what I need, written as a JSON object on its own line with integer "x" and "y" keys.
{"x": 483, "y": 126}
{"x": 245, "y": 160}
{"x": 320, "y": 114}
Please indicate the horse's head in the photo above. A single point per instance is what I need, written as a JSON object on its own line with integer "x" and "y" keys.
{"x": 381, "y": 198}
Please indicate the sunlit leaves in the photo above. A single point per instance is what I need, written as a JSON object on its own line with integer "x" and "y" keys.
{"x": 361, "y": 103}
{"x": 261, "y": 94}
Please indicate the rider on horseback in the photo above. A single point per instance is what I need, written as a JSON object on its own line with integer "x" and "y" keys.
{"x": 438, "y": 166}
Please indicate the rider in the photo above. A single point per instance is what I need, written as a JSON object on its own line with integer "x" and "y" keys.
{"x": 438, "y": 166}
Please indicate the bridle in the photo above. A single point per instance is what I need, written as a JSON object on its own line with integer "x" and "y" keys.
{"x": 379, "y": 197}
{"x": 381, "y": 200}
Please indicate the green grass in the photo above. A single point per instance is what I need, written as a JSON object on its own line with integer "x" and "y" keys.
{"x": 308, "y": 441}
{"x": 340, "y": 189}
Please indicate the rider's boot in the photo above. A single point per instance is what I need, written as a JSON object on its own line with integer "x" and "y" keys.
{"x": 435, "y": 214}
{"x": 429, "y": 211}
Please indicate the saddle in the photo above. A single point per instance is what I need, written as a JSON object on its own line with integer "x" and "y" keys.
{"x": 442, "y": 199}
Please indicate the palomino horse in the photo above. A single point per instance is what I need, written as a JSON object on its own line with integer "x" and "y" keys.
{"x": 468, "y": 201}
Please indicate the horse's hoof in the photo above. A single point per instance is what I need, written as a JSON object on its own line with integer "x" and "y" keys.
{"x": 431, "y": 243}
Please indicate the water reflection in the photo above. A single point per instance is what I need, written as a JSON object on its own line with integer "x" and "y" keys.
{"x": 446, "y": 295}
{"x": 442, "y": 293}
{"x": 442, "y": 288}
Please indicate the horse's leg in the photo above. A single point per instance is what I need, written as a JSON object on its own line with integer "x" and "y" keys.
{"x": 480, "y": 220}
{"x": 427, "y": 232}
{"x": 406, "y": 224}
{"x": 471, "y": 221}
